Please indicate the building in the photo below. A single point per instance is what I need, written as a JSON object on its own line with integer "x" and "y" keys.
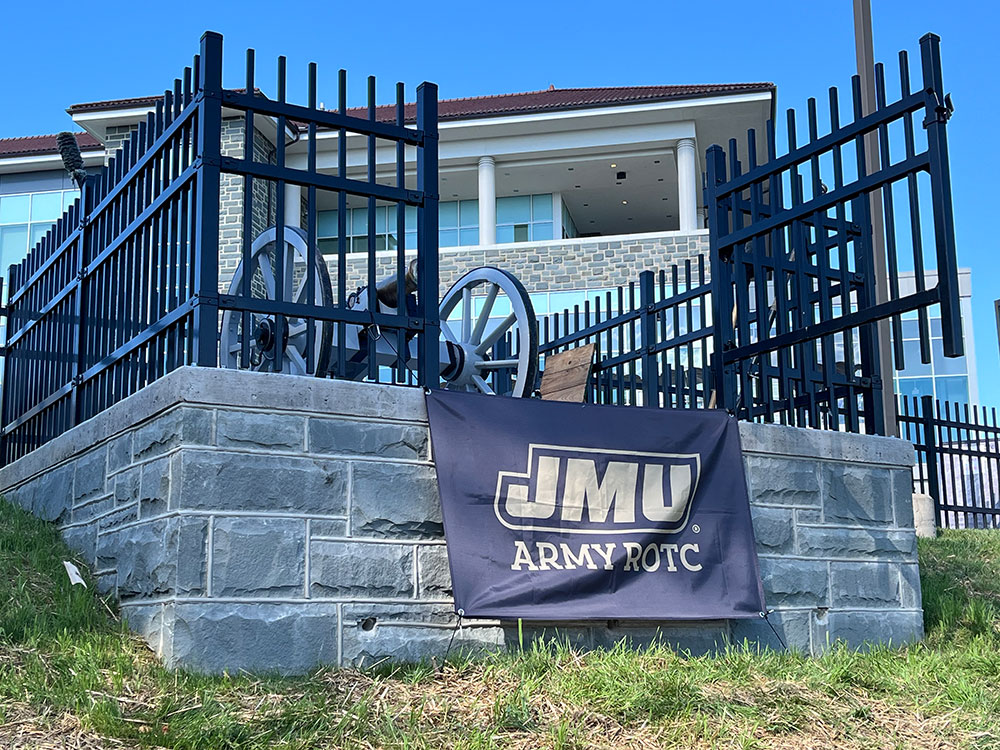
{"x": 575, "y": 191}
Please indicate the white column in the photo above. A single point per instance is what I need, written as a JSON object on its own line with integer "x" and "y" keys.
{"x": 702, "y": 217}
{"x": 293, "y": 205}
{"x": 487, "y": 201}
{"x": 687, "y": 185}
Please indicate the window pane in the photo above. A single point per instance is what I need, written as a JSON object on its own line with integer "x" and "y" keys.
{"x": 411, "y": 217}
{"x": 326, "y": 223}
{"x": 911, "y": 357}
{"x": 946, "y": 365}
{"x": 359, "y": 244}
{"x": 542, "y": 231}
{"x": 13, "y": 245}
{"x": 327, "y": 247}
{"x": 911, "y": 329}
{"x": 505, "y": 234}
{"x": 448, "y": 214}
{"x": 514, "y": 209}
{"x": 935, "y": 326}
{"x": 468, "y": 237}
{"x": 14, "y": 209}
{"x": 37, "y": 232}
{"x": 411, "y": 240}
{"x": 380, "y": 219}
{"x": 359, "y": 221}
{"x": 521, "y": 233}
{"x": 469, "y": 213}
{"x": 46, "y": 206}
{"x": 916, "y": 387}
{"x": 541, "y": 208}
{"x": 448, "y": 238}
{"x": 953, "y": 389}
{"x": 68, "y": 197}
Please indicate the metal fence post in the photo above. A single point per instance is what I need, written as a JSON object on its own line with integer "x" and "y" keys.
{"x": 79, "y": 353}
{"x": 208, "y": 158}
{"x": 929, "y": 424}
{"x": 647, "y": 329}
{"x": 722, "y": 274}
{"x": 429, "y": 375}
{"x": 937, "y": 110}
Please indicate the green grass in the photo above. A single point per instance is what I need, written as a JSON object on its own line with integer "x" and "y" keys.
{"x": 72, "y": 676}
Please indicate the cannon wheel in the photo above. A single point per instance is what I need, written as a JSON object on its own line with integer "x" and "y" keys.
{"x": 476, "y": 334}
{"x": 266, "y": 329}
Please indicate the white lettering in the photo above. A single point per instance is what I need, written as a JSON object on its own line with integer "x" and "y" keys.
{"x": 572, "y": 561}
{"x": 522, "y": 557}
{"x": 548, "y": 553}
{"x": 654, "y": 506}
{"x": 632, "y": 551}
{"x": 684, "y": 561}
{"x": 651, "y": 566}
{"x": 668, "y": 550}
{"x": 583, "y": 489}
{"x": 544, "y": 504}
{"x": 605, "y": 553}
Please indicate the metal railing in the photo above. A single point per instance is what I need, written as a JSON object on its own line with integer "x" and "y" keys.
{"x": 125, "y": 287}
{"x": 957, "y": 459}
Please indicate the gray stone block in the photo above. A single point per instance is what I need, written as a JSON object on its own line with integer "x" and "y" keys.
{"x": 259, "y": 430}
{"x": 373, "y": 633}
{"x": 183, "y": 425}
{"x": 862, "y": 629}
{"x": 95, "y": 508}
{"x": 347, "y": 437}
{"x": 832, "y": 543}
{"x": 361, "y": 570}
{"x": 258, "y": 557}
{"x": 83, "y": 541}
{"x": 282, "y": 638}
{"x": 696, "y": 638}
{"x": 145, "y": 564}
{"x": 23, "y": 496}
{"x": 119, "y": 517}
{"x": 902, "y": 497}
{"x": 53, "y": 498}
{"x": 220, "y": 480}
{"x": 865, "y": 585}
{"x": 105, "y": 583}
{"x": 126, "y": 485}
{"x": 782, "y": 481}
{"x": 773, "y": 528}
{"x": 149, "y": 621}
{"x": 794, "y": 583}
{"x": 395, "y": 501}
{"x": 909, "y": 587}
{"x": 91, "y": 470}
{"x": 188, "y": 535}
{"x": 154, "y": 487}
{"x": 857, "y": 494}
{"x": 433, "y": 575}
{"x": 120, "y": 452}
{"x": 327, "y": 528}
{"x": 793, "y": 627}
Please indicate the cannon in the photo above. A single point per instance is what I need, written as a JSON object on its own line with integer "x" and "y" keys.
{"x": 482, "y": 312}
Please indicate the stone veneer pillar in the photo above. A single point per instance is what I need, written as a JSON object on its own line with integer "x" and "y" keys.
{"x": 687, "y": 185}
{"x": 487, "y": 201}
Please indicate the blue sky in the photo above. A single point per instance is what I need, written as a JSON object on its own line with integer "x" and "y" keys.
{"x": 58, "y": 54}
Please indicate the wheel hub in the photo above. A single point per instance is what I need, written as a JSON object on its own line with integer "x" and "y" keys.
{"x": 266, "y": 335}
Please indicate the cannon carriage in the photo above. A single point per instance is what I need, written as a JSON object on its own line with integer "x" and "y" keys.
{"x": 481, "y": 314}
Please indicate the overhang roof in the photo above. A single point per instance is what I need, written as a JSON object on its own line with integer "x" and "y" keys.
{"x": 37, "y": 145}
{"x": 527, "y": 102}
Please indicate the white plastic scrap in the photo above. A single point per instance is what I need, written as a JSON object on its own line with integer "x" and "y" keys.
{"x": 74, "y": 574}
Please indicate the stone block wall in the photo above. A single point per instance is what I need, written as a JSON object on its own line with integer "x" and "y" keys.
{"x": 268, "y": 522}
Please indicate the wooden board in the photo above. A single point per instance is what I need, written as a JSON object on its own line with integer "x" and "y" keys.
{"x": 567, "y": 374}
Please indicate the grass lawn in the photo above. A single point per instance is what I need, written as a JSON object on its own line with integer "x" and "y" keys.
{"x": 72, "y": 676}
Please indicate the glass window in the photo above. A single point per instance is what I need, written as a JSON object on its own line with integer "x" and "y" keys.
{"x": 505, "y": 234}
{"x": 46, "y": 206}
{"x": 946, "y": 365}
{"x": 541, "y": 208}
{"x": 326, "y": 223}
{"x": 514, "y": 210}
{"x": 14, "y": 209}
{"x": 916, "y": 387}
{"x": 523, "y": 218}
{"x": 13, "y": 245}
{"x": 468, "y": 237}
{"x": 953, "y": 389}
{"x": 37, "y": 232}
{"x": 541, "y": 231}
{"x": 521, "y": 232}
{"x": 448, "y": 215}
{"x": 911, "y": 358}
{"x": 469, "y": 213}
{"x": 448, "y": 238}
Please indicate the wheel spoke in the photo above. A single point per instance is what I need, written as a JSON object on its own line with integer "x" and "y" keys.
{"x": 494, "y": 364}
{"x": 496, "y": 333}
{"x": 295, "y": 358}
{"x": 482, "y": 385}
{"x": 448, "y": 333}
{"x": 484, "y": 315}
{"x": 466, "y": 314}
{"x": 264, "y": 264}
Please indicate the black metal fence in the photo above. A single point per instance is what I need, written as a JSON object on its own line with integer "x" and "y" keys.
{"x": 793, "y": 262}
{"x": 652, "y": 339}
{"x": 957, "y": 459}
{"x": 125, "y": 287}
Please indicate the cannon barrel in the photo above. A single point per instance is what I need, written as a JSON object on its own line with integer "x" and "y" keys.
{"x": 386, "y": 290}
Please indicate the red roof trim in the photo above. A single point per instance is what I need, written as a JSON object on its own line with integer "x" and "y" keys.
{"x": 38, "y": 145}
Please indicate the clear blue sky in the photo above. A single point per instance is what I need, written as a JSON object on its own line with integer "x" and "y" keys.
{"x": 56, "y": 54}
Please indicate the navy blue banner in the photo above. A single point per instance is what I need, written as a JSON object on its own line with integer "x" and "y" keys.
{"x": 556, "y": 511}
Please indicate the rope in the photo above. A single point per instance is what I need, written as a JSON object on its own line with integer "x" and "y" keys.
{"x": 458, "y": 626}
{"x": 773, "y": 629}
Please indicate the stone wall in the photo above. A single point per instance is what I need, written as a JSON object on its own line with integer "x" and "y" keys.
{"x": 257, "y": 521}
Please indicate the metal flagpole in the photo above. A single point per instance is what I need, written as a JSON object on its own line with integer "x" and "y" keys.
{"x": 864, "y": 51}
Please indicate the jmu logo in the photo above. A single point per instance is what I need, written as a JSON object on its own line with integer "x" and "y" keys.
{"x": 598, "y": 491}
